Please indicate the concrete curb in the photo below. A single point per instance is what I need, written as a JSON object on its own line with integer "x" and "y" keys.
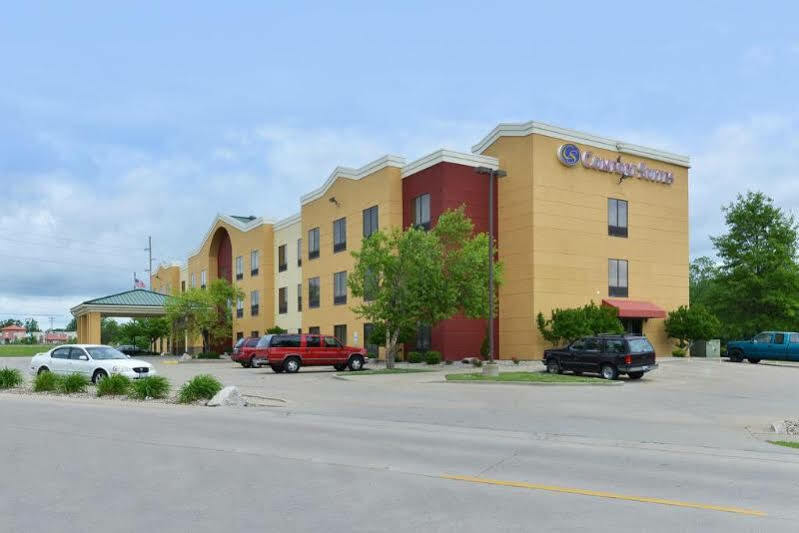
{"x": 543, "y": 383}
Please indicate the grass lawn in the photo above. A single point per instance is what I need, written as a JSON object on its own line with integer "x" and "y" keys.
{"x": 785, "y": 443}
{"x": 537, "y": 377}
{"x": 22, "y": 350}
{"x": 386, "y": 371}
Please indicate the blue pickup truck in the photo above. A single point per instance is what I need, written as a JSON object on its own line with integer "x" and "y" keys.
{"x": 773, "y": 345}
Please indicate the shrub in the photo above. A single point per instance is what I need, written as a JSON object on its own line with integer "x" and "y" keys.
{"x": 113, "y": 385}
{"x": 515, "y": 360}
{"x": 448, "y": 362}
{"x": 150, "y": 387}
{"x": 45, "y": 382}
{"x": 276, "y": 330}
{"x": 414, "y": 357}
{"x": 477, "y": 363}
{"x": 432, "y": 357}
{"x": 202, "y": 387}
{"x": 466, "y": 360}
{"x": 208, "y": 355}
{"x": 484, "y": 345}
{"x": 678, "y": 352}
{"x": 372, "y": 355}
{"x": 10, "y": 377}
{"x": 72, "y": 383}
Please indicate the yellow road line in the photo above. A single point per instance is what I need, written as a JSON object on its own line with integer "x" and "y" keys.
{"x": 601, "y": 494}
{"x": 169, "y": 362}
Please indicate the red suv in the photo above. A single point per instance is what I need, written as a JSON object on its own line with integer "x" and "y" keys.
{"x": 287, "y": 353}
{"x": 244, "y": 350}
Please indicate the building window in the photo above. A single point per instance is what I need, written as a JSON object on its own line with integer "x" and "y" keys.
{"x": 313, "y": 330}
{"x": 239, "y": 267}
{"x": 617, "y": 277}
{"x": 340, "y": 332}
{"x": 299, "y": 252}
{"x": 254, "y": 263}
{"x": 369, "y": 221}
{"x": 182, "y": 286}
{"x": 281, "y": 258}
{"x": 617, "y": 217}
{"x": 203, "y": 279}
{"x": 282, "y": 300}
{"x": 371, "y": 349}
{"x": 239, "y": 335}
{"x": 340, "y": 288}
{"x": 339, "y": 235}
{"x": 193, "y": 281}
{"x": 421, "y": 211}
{"x": 299, "y": 331}
{"x": 299, "y": 297}
{"x": 424, "y": 337}
{"x": 313, "y": 243}
{"x": 254, "y": 333}
{"x": 240, "y": 308}
{"x": 313, "y": 292}
{"x": 254, "y": 300}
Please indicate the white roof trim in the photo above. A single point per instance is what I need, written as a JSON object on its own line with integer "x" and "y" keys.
{"x": 539, "y": 128}
{"x": 241, "y": 226}
{"x": 449, "y": 156}
{"x": 388, "y": 160}
{"x": 288, "y": 221}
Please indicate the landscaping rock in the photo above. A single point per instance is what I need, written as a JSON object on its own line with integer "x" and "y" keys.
{"x": 788, "y": 427}
{"x": 778, "y": 427}
{"x": 227, "y": 397}
{"x": 186, "y": 357}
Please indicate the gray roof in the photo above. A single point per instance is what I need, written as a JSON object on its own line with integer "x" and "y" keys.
{"x": 245, "y": 220}
{"x": 137, "y": 297}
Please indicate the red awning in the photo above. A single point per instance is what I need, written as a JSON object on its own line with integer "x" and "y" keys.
{"x": 635, "y": 309}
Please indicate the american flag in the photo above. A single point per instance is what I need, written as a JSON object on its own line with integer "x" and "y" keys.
{"x": 137, "y": 283}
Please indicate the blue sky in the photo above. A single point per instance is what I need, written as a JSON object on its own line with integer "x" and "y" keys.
{"x": 120, "y": 122}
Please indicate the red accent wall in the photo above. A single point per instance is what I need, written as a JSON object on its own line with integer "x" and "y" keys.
{"x": 451, "y": 185}
{"x": 224, "y": 258}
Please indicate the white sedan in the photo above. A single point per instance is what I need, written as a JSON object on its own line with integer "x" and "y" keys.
{"x": 92, "y": 360}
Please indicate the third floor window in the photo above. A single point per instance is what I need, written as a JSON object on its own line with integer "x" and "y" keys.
{"x": 239, "y": 267}
{"x": 421, "y": 211}
{"x": 281, "y": 258}
{"x": 339, "y": 235}
{"x": 617, "y": 217}
{"x": 313, "y": 243}
{"x": 370, "y": 222}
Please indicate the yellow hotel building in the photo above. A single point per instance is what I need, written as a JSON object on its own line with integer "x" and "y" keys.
{"x": 579, "y": 218}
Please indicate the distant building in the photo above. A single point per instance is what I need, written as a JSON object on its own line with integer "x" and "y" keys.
{"x": 59, "y": 337}
{"x": 12, "y": 333}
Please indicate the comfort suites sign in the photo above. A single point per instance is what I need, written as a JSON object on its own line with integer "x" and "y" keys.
{"x": 570, "y": 155}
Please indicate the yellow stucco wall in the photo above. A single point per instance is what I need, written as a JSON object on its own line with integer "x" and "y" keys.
{"x": 382, "y": 188}
{"x": 554, "y": 242}
{"x": 243, "y": 242}
{"x": 287, "y": 235}
{"x": 166, "y": 279}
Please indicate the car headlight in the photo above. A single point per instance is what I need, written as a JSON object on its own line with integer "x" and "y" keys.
{"x": 119, "y": 369}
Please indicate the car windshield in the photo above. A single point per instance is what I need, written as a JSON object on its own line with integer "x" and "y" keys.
{"x": 640, "y": 346}
{"x": 264, "y": 342}
{"x": 105, "y": 352}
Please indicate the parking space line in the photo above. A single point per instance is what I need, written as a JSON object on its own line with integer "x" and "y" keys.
{"x": 602, "y": 494}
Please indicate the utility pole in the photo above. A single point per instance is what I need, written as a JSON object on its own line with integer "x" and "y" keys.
{"x": 51, "y": 323}
{"x": 149, "y": 251}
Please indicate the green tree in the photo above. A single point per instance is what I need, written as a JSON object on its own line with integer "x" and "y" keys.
{"x": 31, "y": 325}
{"x": 203, "y": 312}
{"x": 567, "y": 325}
{"x": 10, "y": 322}
{"x": 758, "y": 281}
{"x": 412, "y": 277}
{"x": 689, "y": 324}
{"x": 109, "y": 331}
{"x": 702, "y": 276}
{"x": 276, "y": 330}
{"x": 72, "y": 325}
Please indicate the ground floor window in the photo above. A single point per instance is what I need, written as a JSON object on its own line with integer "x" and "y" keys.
{"x": 254, "y": 333}
{"x": 313, "y": 330}
{"x": 340, "y": 332}
{"x": 424, "y": 337}
{"x": 239, "y": 335}
{"x": 634, "y": 326}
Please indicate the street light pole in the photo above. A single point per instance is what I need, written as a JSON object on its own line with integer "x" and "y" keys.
{"x": 492, "y": 174}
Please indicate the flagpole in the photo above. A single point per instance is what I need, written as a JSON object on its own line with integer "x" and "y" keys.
{"x": 134, "y": 280}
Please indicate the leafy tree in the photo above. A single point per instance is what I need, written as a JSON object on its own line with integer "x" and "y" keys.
{"x": 414, "y": 277}
{"x": 110, "y": 332}
{"x": 10, "y": 322}
{"x": 689, "y": 324}
{"x": 143, "y": 332}
{"x": 31, "y": 325}
{"x": 276, "y": 330}
{"x": 702, "y": 276}
{"x": 567, "y": 325}
{"x": 72, "y": 325}
{"x": 203, "y": 312}
{"x": 758, "y": 280}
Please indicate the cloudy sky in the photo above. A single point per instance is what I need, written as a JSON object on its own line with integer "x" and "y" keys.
{"x": 118, "y": 123}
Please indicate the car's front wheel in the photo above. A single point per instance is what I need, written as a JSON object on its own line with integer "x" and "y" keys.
{"x": 43, "y": 369}
{"x": 609, "y": 372}
{"x": 355, "y": 363}
{"x": 553, "y": 367}
{"x": 635, "y": 375}
{"x": 99, "y": 375}
{"x": 736, "y": 356}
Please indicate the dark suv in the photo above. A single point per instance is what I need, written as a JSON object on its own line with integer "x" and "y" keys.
{"x": 608, "y": 355}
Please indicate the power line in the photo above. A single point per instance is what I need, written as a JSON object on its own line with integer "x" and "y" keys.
{"x": 82, "y": 265}
{"x": 68, "y": 246}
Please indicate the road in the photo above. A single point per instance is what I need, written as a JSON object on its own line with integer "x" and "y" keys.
{"x": 76, "y": 467}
